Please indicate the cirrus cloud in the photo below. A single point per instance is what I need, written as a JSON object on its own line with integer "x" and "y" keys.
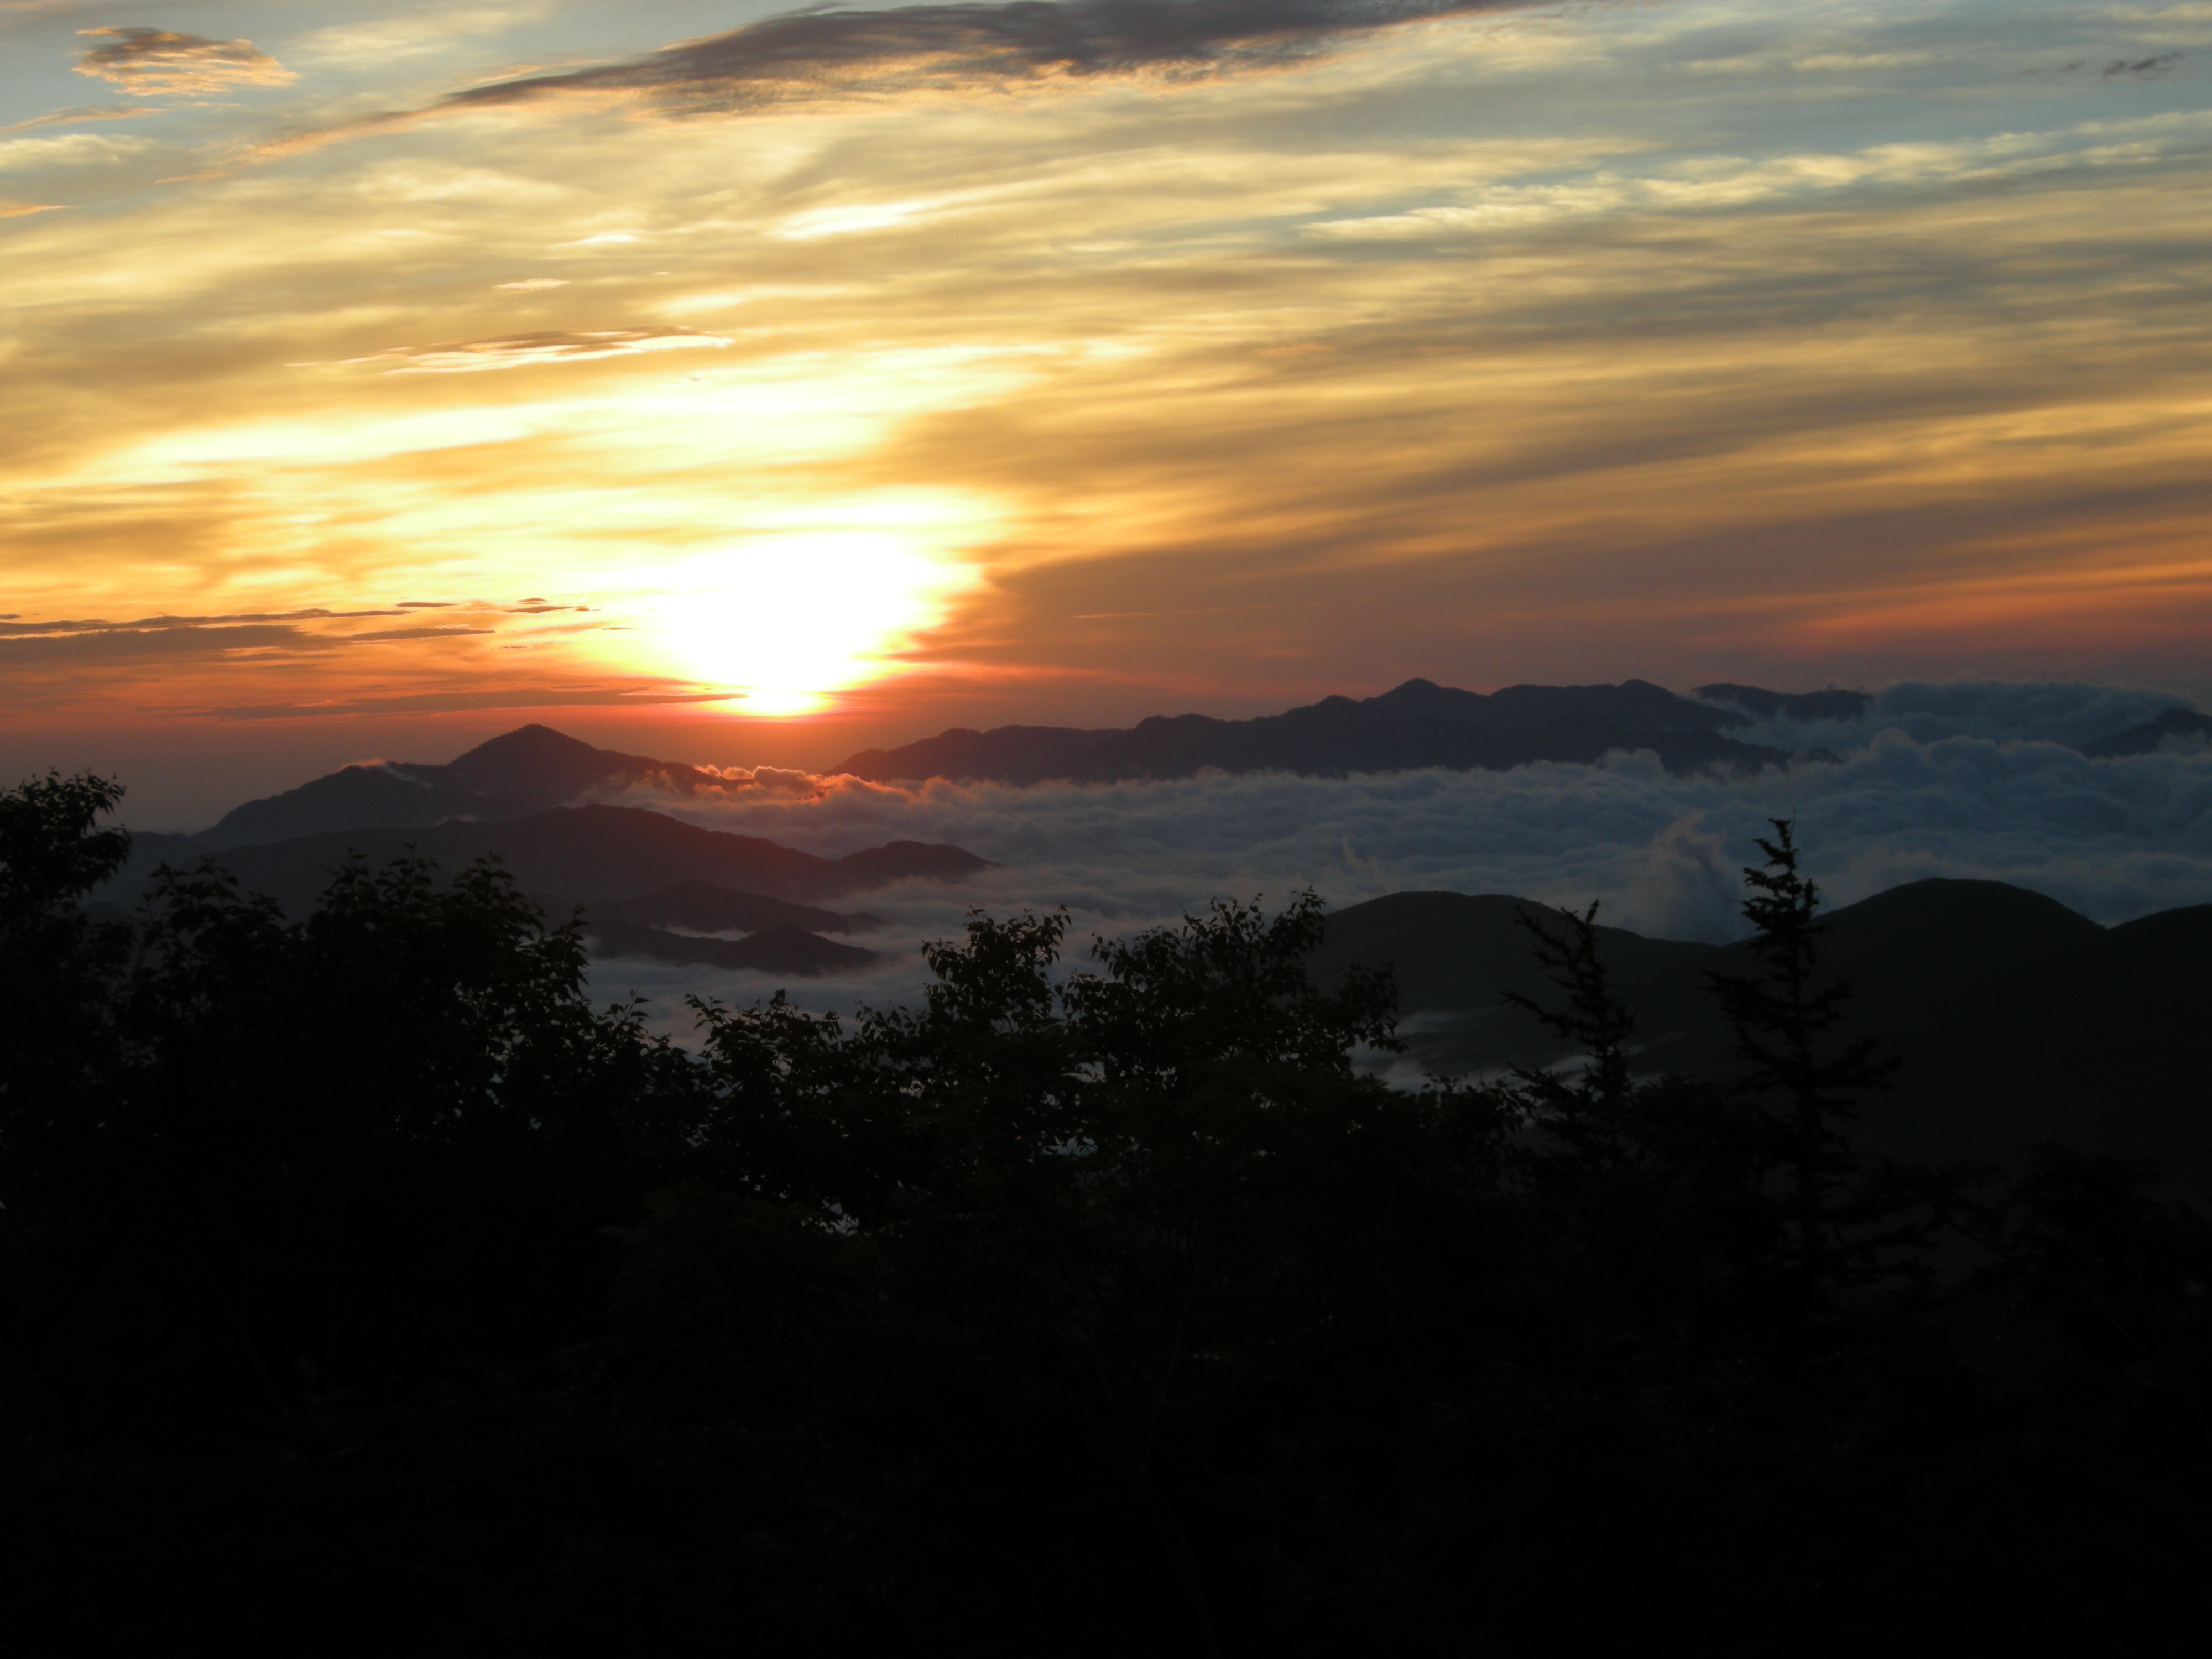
{"x": 522, "y": 350}
{"x": 62, "y": 117}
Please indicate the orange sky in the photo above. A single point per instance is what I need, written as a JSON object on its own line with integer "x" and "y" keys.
{"x": 380, "y": 377}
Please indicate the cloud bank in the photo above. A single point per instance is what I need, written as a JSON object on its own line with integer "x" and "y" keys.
{"x": 2114, "y": 839}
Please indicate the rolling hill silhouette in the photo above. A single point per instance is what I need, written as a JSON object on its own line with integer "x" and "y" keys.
{"x": 637, "y": 874}
{"x": 2018, "y": 1020}
{"x": 587, "y": 854}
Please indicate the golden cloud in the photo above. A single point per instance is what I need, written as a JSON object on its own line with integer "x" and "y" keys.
{"x": 154, "y": 61}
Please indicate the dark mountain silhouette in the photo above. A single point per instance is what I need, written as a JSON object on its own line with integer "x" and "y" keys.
{"x": 2178, "y": 727}
{"x": 780, "y": 948}
{"x": 593, "y": 854}
{"x": 2013, "y": 1014}
{"x": 1419, "y": 724}
{"x": 1790, "y": 705}
{"x": 523, "y": 772}
{"x": 534, "y": 768}
{"x": 1631, "y": 706}
{"x": 703, "y": 906}
{"x": 1457, "y": 955}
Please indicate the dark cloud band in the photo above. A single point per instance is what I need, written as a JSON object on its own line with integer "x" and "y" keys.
{"x": 822, "y": 57}
{"x": 14, "y": 626}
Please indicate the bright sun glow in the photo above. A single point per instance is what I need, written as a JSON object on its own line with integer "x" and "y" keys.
{"x": 788, "y": 618}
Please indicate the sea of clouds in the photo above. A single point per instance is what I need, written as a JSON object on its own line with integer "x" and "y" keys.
{"x": 1972, "y": 780}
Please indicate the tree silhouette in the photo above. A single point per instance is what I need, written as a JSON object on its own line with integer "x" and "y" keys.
{"x": 58, "y": 967}
{"x": 1584, "y": 1112}
{"x": 1784, "y": 1017}
{"x": 51, "y": 854}
{"x": 362, "y": 1276}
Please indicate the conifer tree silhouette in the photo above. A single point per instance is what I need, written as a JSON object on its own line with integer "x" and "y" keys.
{"x": 1584, "y": 1114}
{"x": 1783, "y": 1020}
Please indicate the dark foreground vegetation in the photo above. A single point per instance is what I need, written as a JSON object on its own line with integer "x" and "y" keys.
{"x": 369, "y": 1291}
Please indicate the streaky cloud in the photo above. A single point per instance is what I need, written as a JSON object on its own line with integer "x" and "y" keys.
{"x": 2156, "y": 68}
{"x": 62, "y": 118}
{"x": 631, "y": 694}
{"x": 16, "y": 626}
{"x": 526, "y": 351}
{"x": 100, "y": 645}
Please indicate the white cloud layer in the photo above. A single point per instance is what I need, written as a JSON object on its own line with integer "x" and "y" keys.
{"x": 1963, "y": 779}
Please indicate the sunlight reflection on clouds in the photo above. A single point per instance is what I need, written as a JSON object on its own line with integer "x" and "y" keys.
{"x": 1687, "y": 340}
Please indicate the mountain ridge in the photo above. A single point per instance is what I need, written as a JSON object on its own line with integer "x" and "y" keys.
{"x": 1415, "y": 725}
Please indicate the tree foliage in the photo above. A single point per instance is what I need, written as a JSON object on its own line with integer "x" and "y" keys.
{"x": 364, "y": 1279}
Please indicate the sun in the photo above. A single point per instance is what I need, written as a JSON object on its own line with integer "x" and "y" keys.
{"x": 786, "y": 619}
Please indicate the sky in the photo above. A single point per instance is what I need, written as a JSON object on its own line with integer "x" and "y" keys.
{"x": 745, "y": 385}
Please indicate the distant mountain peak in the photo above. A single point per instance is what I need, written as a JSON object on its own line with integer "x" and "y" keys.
{"x": 532, "y": 740}
{"x": 510, "y": 776}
